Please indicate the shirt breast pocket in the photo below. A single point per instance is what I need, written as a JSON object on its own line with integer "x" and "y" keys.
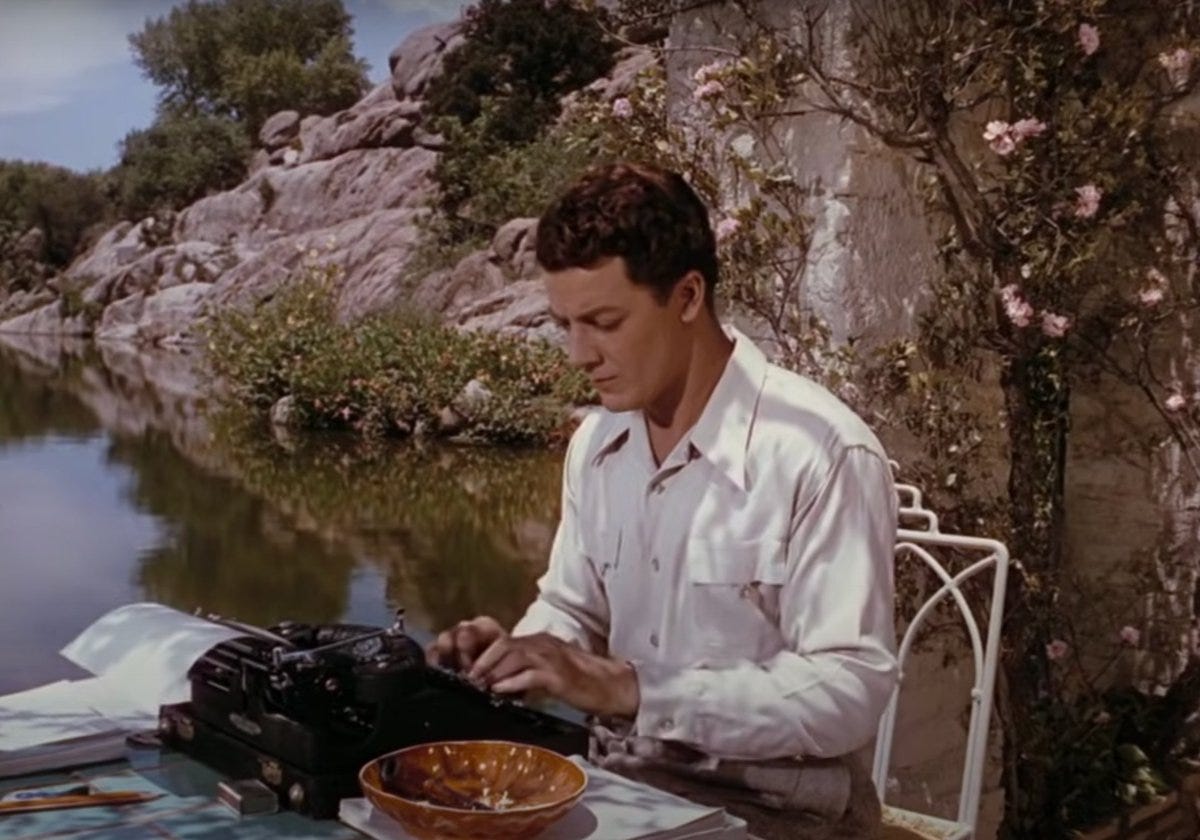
{"x": 735, "y": 588}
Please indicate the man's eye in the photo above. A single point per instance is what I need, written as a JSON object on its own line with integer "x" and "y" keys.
{"x": 608, "y": 326}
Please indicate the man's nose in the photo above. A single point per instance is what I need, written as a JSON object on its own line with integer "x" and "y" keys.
{"x": 580, "y": 351}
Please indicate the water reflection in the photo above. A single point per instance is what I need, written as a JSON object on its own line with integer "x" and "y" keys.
{"x": 140, "y": 496}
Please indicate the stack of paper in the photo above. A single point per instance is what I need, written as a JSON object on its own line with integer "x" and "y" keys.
{"x": 612, "y": 808}
{"x": 140, "y": 655}
{"x": 63, "y": 724}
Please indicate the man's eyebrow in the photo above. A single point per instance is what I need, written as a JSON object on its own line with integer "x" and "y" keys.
{"x": 588, "y": 314}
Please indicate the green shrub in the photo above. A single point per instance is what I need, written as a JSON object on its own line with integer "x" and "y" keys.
{"x": 386, "y": 373}
{"x": 485, "y": 186}
{"x": 176, "y": 161}
{"x": 503, "y": 86}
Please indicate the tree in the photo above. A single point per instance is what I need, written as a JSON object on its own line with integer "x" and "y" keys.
{"x": 502, "y": 87}
{"x": 177, "y": 161}
{"x": 524, "y": 54}
{"x": 61, "y": 203}
{"x": 247, "y": 59}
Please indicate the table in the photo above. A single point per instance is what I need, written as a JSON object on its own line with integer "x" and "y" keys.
{"x": 187, "y": 811}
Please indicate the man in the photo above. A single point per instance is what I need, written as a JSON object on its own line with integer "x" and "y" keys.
{"x": 719, "y": 593}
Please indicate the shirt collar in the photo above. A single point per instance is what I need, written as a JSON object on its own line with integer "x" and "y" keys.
{"x": 722, "y": 433}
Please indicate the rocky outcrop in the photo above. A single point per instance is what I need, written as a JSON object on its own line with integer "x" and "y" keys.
{"x": 348, "y": 189}
{"x": 419, "y": 58}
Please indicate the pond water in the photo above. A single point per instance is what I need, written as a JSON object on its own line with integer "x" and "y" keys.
{"x": 119, "y": 482}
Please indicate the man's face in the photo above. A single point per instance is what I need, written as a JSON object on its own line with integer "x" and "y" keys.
{"x": 634, "y": 349}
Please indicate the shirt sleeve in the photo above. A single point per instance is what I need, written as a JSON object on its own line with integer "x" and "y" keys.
{"x": 823, "y": 695}
{"x": 571, "y": 603}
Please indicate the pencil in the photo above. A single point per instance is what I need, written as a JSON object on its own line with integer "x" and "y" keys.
{"x": 52, "y": 803}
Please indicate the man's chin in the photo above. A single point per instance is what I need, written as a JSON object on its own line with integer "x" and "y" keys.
{"x": 617, "y": 402}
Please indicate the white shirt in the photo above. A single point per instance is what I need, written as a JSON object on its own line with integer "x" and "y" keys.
{"x": 748, "y": 578}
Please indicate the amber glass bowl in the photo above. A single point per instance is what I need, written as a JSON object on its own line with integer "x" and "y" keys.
{"x": 453, "y": 790}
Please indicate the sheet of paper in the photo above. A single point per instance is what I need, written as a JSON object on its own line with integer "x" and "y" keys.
{"x": 48, "y": 713}
{"x": 67, "y": 710}
{"x": 616, "y": 807}
{"x": 146, "y": 649}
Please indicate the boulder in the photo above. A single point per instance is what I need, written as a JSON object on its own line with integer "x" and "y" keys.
{"x": 120, "y": 319}
{"x": 279, "y": 130}
{"x": 171, "y": 315}
{"x": 629, "y": 63}
{"x": 419, "y": 57}
{"x": 18, "y": 303}
{"x": 120, "y": 245}
{"x": 283, "y": 412}
{"x": 427, "y": 139}
{"x": 473, "y": 397}
{"x": 47, "y": 320}
{"x": 384, "y": 125}
{"x": 224, "y": 216}
{"x": 510, "y": 237}
{"x": 520, "y": 308}
{"x": 475, "y": 275}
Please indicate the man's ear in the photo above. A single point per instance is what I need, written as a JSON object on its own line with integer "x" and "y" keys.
{"x": 690, "y": 292}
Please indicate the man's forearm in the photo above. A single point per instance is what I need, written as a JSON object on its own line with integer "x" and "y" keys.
{"x": 822, "y": 706}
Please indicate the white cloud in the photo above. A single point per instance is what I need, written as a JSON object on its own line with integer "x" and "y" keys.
{"x": 50, "y": 48}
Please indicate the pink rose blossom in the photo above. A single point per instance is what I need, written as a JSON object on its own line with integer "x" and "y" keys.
{"x": 1176, "y": 402}
{"x": 1178, "y": 64}
{"x": 1130, "y": 635}
{"x": 1003, "y": 138}
{"x": 1151, "y": 296}
{"x": 1155, "y": 289}
{"x": 1026, "y": 128}
{"x": 1089, "y": 38}
{"x": 1020, "y": 313}
{"x": 1057, "y": 650}
{"x": 708, "y": 90}
{"x": 726, "y": 228}
{"x": 622, "y": 108}
{"x": 995, "y": 129}
{"x": 706, "y": 72}
{"x": 996, "y": 133}
{"x": 1055, "y": 326}
{"x": 1087, "y": 201}
{"x": 1004, "y": 145}
{"x": 1016, "y": 307}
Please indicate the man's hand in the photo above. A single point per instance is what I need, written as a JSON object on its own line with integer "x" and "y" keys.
{"x": 544, "y": 663}
{"x": 459, "y": 646}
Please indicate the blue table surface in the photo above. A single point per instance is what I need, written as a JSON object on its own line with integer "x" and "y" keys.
{"x": 187, "y": 810}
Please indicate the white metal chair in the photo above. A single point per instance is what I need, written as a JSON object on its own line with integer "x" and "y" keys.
{"x": 919, "y": 539}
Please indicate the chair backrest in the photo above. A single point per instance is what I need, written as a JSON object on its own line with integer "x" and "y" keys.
{"x": 919, "y": 539}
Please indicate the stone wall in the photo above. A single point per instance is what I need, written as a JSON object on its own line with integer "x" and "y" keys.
{"x": 1132, "y": 502}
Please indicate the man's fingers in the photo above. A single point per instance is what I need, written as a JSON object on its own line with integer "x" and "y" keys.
{"x": 487, "y": 660}
{"x": 441, "y": 650}
{"x": 466, "y": 644}
{"x": 459, "y": 645}
{"x": 529, "y": 679}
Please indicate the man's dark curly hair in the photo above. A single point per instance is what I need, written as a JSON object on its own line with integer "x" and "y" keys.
{"x": 649, "y": 217}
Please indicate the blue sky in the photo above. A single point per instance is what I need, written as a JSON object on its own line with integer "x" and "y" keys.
{"x": 69, "y": 90}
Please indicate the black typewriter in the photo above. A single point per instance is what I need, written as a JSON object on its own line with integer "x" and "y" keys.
{"x": 303, "y": 707}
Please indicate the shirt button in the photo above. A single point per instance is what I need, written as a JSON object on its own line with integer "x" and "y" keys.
{"x": 665, "y": 724}
{"x": 654, "y": 639}
{"x": 654, "y": 563}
